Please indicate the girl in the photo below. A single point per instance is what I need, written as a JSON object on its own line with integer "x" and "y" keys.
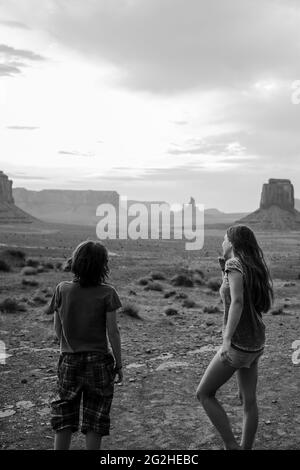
{"x": 84, "y": 311}
{"x": 246, "y": 293}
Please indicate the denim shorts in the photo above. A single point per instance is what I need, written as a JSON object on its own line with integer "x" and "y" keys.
{"x": 240, "y": 359}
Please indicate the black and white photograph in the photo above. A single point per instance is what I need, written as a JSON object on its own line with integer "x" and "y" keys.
{"x": 149, "y": 228}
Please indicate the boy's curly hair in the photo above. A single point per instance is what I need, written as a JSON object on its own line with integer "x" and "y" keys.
{"x": 89, "y": 263}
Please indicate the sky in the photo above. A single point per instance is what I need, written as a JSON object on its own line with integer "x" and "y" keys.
{"x": 155, "y": 99}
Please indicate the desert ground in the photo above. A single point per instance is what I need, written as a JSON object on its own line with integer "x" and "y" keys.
{"x": 169, "y": 334}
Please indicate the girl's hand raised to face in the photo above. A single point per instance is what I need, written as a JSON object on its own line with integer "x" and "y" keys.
{"x": 221, "y": 260}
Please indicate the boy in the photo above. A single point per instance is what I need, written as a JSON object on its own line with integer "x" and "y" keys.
{"x": 84, "y": 315}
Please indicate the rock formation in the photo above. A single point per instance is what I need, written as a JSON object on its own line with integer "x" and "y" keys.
{"x": 9, "y": 212}
{"x": 5, "y": 189}
{"x": 277, "y": 208}
{"x": 278, "y": 193}
{"x": 65, "y": 206}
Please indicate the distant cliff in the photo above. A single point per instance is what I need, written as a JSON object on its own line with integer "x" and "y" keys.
{"x": 9, "y": 213}
{"x": 277, "y": 208}
{"x": 64, "y": 206}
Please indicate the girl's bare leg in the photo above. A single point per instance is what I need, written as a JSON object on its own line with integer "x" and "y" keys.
{"x": 247, "y": 383}
{"x": 215, "y": 376}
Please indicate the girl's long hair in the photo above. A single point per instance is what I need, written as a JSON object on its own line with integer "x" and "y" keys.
{"x": 89, "y": 263}
{"x": 257, "y": 274}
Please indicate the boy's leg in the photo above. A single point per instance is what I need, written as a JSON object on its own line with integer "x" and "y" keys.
{"x": 92, "y": 440}
{"x": 217, "y": 373}
{"x": 65, "y": 406}
{"x": 247, "y": 382}
{"x": 62, "y": 439}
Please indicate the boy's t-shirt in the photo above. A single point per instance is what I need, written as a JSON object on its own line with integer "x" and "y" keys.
{"x": 80, "y": 315}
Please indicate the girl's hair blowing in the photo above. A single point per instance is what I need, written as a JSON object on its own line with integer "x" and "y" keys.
{"x": 257, "y": 274}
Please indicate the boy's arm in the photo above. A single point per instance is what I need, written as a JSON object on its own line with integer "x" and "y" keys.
{"x": 53, "y": 308}
{"x": 54, "y": 303}
{"x": 114, "y": 337}
{"x": 57, "y": 325}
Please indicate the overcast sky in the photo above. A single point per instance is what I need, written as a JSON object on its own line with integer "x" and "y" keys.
{"x": 157, "y": 99}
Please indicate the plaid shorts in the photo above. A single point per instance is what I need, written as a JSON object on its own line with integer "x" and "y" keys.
{"x": 86, "y": 375}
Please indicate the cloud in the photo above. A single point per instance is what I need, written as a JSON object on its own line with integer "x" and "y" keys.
{"x": 174, "y": 46}
{"x": 8, "y": 70}
{"x": 180, "y": 123}
{"x": 218, "y": 145}
{"x": 12, "y": 60}
{"x": 22, "y": 128}
{"x": 20, "y": 176}
{"x": 13, "y": 24}
{"x": 75, "y": 153}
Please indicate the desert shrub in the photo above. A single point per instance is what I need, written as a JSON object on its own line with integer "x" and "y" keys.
{"x": 10, "y": 305}
{"x": 277, "y": 311}
{"x": 200, "y": 273}
{"x": 170, "y": 293}
{"x": 4, "y": 266}
{"x": 182, "y": 280}
{"x": 131, "y": 292}
{"x": 47, "y": 291}
{"x": 58, "y": 265}
{"x": 38, "y": 298}
{"x": 131, "y": 310}
{"x": 30, "y": 282}
{"x": 189, "y": 303}
{"x": 211, "y": 309}
{"x": 32, "y": 262}
{"x": 40, "y": 269}
{"x": 143, "y": 281}
{"x": 199, "y": 281}
{"x": 181, "y": 295}
{"x": 171, "y": 311}
{"x": 154, "y": 286}
{"x": 29, "y": 271}
{"x": 48, "y": 265}
{"x": 156, "y": 276}
{"x": 214, "y": 283}
{"x": 18, "y": 254}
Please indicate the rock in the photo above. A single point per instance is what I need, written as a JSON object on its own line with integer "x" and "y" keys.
{"x": 9, "y": 212}
{"x": 7, "y": 413}
{"x": 278, "y": 192}
{"x": 53, "y": 204}
{"x": 171, "y": 365}
{"x": 134, "y": 365}
{"x": 26, "y": 405}
{"x": 44, "y": 411}
{"x": 277, "y": 208}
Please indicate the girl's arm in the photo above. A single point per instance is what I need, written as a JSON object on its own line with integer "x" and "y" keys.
{"x": 114, "y": 337}
{"x": 235, "y": 279}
